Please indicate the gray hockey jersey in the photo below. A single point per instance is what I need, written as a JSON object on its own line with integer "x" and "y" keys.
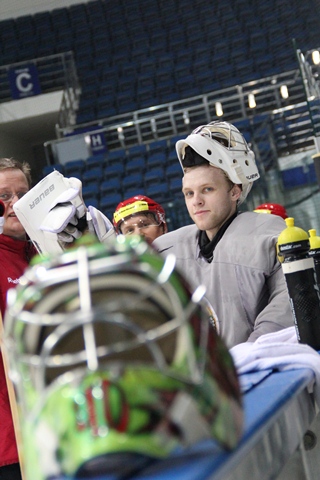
{"x": 244, "y": 282}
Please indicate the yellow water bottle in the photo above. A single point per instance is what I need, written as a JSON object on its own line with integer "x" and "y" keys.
{"x": 299, "y": 271}
{"x": 314, "y": 252}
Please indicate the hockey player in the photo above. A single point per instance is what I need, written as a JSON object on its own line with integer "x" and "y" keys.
{"x": 140, "y": 215}
{"x": 233, "y": 254}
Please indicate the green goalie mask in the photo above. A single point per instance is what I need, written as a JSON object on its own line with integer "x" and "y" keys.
{"x": 115, "y": 363}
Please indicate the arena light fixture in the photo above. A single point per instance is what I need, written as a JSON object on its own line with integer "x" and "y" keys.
{"x": 120, "y": 133}
{"x": 252, "y": 100}
{"x": 284, "y": 92}
{"x": 219, "y": 109}
{"x": 186, "y": 118}
{"x": 316, "y": 57}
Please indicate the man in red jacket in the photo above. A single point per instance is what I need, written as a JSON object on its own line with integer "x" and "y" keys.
{"x": 15, "y": 252}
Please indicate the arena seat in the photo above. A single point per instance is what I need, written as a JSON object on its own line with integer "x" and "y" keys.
{"x": 109, "y": 202}
{"x": 133, "y": 180}
{"x": 110, "y": 185}
{"x": 137, "y": 164}
{"x": 159, "y": 192}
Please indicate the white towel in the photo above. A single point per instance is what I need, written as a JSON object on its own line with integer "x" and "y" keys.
{"x": 281, "y": 351}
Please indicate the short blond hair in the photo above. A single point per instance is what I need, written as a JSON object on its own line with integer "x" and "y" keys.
{"x": 207, "y": 164}
{"x": 11, "y": 163}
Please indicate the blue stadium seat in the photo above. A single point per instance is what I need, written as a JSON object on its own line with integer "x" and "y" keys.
{"x": 125, "y": 85}
{"x": 60, "y": 18}
{"x": 90, "y": 191}
{"x": 184, "y": 83}
{"x": 134, "y": 180}
{"x": 175, "y": 186}
{"x": 164, "y": 74}
{"x": 189, "y": 92}
{"x": 164, "y": 88}
{"x": 158, "y": 192}
{"x": 50, "y": 168}
{"x": 146, "y": 97}
{"x": 94, "y": 175}
{"x": 173, "y": 140}
{"x": 138, "y": 164}
{"x": 137, "y": 151}
{"x": 108, "y": 203}
{"x": 92, "y": 201}
{"x": 74, "y": 167}
{"x": 86, "y": 116}
{"x": 295, "y": 177}
{"x": 145, "y": 80}
{"x": 133, "y": 191}
{"x": 127, "y": 104}
{"x": 114, "y": 171}
{"x": 110, "y": 185}
{"x": 106, "y": 112}
{"x": 95, "y": 161}
{"x": 116, "y": 156}
{"x": 157, "y": 146}
{"x": 155, "y": 175}
{"x": 147, "y": 65}
{"x": 129, "y": 70}
{"x": 174, "y": 170}
{"x": 157, "y": 159}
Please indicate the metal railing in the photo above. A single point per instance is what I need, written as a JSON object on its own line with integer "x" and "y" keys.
{"x": 174, "y": 118}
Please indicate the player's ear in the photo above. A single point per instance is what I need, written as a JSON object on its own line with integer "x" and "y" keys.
{"x": 236, "y": 192}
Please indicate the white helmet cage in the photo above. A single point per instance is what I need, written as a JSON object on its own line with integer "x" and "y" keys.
{"x": 116, "y": 311}
{"x": 223, "y": 146}
{"x": 87, "y": 307}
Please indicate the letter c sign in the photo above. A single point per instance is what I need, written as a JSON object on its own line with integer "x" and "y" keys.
{"x": 24, "y": 81}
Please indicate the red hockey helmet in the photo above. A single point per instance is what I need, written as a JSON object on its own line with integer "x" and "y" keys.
{"x": 135, "y": 205}
{"x": 274, "y": 208}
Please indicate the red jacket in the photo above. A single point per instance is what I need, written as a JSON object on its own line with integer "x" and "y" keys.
{"x": 14, "y": 258}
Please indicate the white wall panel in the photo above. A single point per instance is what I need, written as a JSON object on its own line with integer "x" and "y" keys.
{"x": 17, "y": 8}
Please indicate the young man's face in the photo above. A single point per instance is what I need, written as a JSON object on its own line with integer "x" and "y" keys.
{"x": 144, "y": 225}
{"x": 13, "y": 181}
{"x": 210, "y": 198}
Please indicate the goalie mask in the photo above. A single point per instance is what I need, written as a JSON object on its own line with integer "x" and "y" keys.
{"x": 115, "y": 363}
{"x": 223, "y": 146}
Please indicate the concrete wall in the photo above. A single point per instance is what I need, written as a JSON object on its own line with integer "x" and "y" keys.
{"x": 18, "y": 8}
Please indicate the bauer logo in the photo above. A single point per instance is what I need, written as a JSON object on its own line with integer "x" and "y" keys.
{"x": 41, "y": 197}
{"x": 253, "y": 176}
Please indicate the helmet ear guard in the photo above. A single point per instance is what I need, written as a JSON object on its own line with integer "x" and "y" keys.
{"x": 108, "y": 347}
{"x": 223, "y": 146}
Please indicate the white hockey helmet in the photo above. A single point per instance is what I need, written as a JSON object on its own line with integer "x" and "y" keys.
{"x": 223, "y": 146}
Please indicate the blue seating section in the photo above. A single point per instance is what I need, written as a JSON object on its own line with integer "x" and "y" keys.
{"x": 153, "y": 169}
{"x": 131, "y": 55}
{"x": 299, "y": 176}
{"x": 144, "y": 169}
